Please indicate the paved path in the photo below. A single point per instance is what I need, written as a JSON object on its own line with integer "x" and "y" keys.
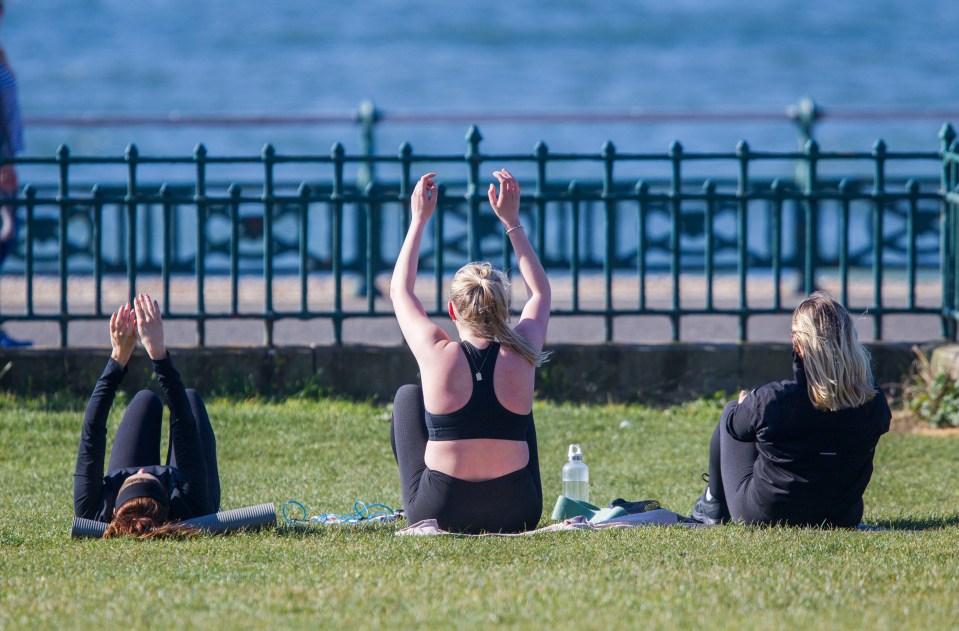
{"x": 81, "y": 290}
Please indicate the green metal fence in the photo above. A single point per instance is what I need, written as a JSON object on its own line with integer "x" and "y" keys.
{"x": 688, "y": 223}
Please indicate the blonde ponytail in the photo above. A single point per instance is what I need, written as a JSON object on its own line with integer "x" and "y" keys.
{"x": 480, "y": 295}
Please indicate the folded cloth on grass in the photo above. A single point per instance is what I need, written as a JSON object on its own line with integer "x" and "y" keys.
{"x": 567, "y": 507}
{"x": 660, "y": 517}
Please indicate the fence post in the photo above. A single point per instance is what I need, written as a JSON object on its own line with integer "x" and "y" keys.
{"x": 642, "y": 194}
{"x": 742, "y": 236}
{"x": 912, "y": 187}
{"x": 709, "y": 190}
{"x": 199, "y": 199}
{"x": 97, "y": 194}
{"x": 573, "y": 192}
{"x": 778, "y": 190}
{"x": 473, "y": 159}
{"x": 131, "y": 156}
{"x": 609, "y": 226}
{"x": 675, "y": 215}
{"x": 336, "y": 200}
{"x": 268, "y": 192}
{"x": 541, "y": 154}
{"x": 844, "y": 189}
{"x": 303, "y": 192}
{"x": 63, "y": 198}
{"x": 947, "y": 247}
{"x": 809, "y": 217}
{"x": 166, "y": 211}
{"x": 30, "y": 193}
{"x": 235, "y": 192}
{"x": 878, "y": 220}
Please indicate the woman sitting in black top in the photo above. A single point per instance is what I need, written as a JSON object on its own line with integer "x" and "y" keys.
{"x": 800, "y": 452}
{"x": 139, "y": 496}
{"x": 465, "y": 441}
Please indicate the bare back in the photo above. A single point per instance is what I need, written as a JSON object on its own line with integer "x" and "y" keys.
{"x": 447, "y": 379}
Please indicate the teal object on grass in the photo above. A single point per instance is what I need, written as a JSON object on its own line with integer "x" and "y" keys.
{"x": 567, "y": 508}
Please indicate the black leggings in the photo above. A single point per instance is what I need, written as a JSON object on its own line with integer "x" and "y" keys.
{"x": 510, "y": 503}
{"x": 137, "y": 443}
{"x": 731, "y": 463}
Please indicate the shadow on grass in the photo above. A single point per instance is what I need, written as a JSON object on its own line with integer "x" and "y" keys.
{"x": 920, "y": 523}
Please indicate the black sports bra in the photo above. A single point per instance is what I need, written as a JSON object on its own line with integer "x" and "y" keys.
{"x": 483, "y": 416}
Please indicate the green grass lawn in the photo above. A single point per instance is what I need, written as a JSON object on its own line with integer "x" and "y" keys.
{"x": 327, "y": 454}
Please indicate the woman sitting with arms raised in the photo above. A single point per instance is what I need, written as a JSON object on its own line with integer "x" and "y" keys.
{"x": 139, "y": 496}
{"x": 800, "y": 452}
{"x": 465, "y": 441}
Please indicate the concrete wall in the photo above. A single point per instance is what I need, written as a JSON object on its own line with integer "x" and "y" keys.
{"x": 588, "y": 373}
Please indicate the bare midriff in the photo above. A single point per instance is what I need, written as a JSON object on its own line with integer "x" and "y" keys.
{"x": 476, "y": 459}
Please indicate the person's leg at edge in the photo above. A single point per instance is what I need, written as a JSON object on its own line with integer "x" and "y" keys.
{"x": 715, "y": 470}
{"x": 533, "y": 465}
{"x": 737, "y": 459}
{"x": 204, "y": 431}
{"x": 8, "y": 240}
{"x": 711, "y": 506}
{"x": 408, "y": 437}
{"x": 137, "y": 442}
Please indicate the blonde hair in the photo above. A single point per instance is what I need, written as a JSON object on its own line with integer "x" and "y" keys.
{"x": 836, "y": 364}
{"x": 145, "y": 518}
{"x": 480, "y": 295}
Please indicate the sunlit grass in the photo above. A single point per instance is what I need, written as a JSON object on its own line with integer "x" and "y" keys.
{"x": 328, "y": 454}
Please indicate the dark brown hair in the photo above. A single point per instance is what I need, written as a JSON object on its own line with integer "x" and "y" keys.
{"x": 145, "y": 518}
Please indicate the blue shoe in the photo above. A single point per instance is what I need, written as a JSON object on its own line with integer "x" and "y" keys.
{"x": 8, "y": 342}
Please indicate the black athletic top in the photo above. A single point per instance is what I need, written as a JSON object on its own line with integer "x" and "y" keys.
{"x": 94, "y": 494}
{"x": 483, "y": 416}
{"x": 813, "y": 466}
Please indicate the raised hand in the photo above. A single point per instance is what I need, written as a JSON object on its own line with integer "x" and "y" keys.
{"x": 506, "y": 204}
{"x": 150, "y": 326}
{"x": 423, "y": 200}
{"x": 123, "y": 334}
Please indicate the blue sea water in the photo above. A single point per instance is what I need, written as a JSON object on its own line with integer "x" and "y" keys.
{"x": 243, "y": 57}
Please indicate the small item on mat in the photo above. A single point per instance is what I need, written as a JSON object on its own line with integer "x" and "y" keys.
{"x": 632, "y": 508}
{"x": 576, "y": 475}
{"x": 567, "y": 508}
{"x": 363, "y": 513}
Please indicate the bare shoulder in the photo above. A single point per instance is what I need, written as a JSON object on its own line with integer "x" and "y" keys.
{"x": 440, "y": 358}
{"x": 514, "y": 381}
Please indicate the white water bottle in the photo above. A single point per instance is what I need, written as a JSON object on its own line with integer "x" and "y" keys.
{"x": 576, "y": 476}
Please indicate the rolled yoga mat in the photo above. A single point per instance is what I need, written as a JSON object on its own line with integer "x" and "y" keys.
{"x": 250, "y": 517}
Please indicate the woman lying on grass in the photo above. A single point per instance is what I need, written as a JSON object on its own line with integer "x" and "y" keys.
{"x": 465, "y": 441}
{"x": 139, "y": 496}
{"x": 800, "y": 452}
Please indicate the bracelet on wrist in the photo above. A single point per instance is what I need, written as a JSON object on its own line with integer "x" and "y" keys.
{"x": 516, "y": 227}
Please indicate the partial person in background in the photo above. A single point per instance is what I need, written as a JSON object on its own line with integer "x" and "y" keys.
{"x": 11, "y": 143}
{"x": 465, "y": 441}
{"x": 138, "y": 496}
{"x": 800, "y": 452}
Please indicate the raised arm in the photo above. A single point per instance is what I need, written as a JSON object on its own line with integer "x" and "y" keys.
{"x": 535, "y": 316}
{"x": 421, "y": 333}
{"x": 190, "y": 463}
{"x": 88, "y": 473}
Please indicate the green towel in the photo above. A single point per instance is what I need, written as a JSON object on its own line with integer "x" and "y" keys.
{"x": 567, "y": 508}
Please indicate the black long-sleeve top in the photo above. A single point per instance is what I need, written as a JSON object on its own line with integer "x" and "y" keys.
{"x": 94, "y": 493}
{"x": 813, "y": 465}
